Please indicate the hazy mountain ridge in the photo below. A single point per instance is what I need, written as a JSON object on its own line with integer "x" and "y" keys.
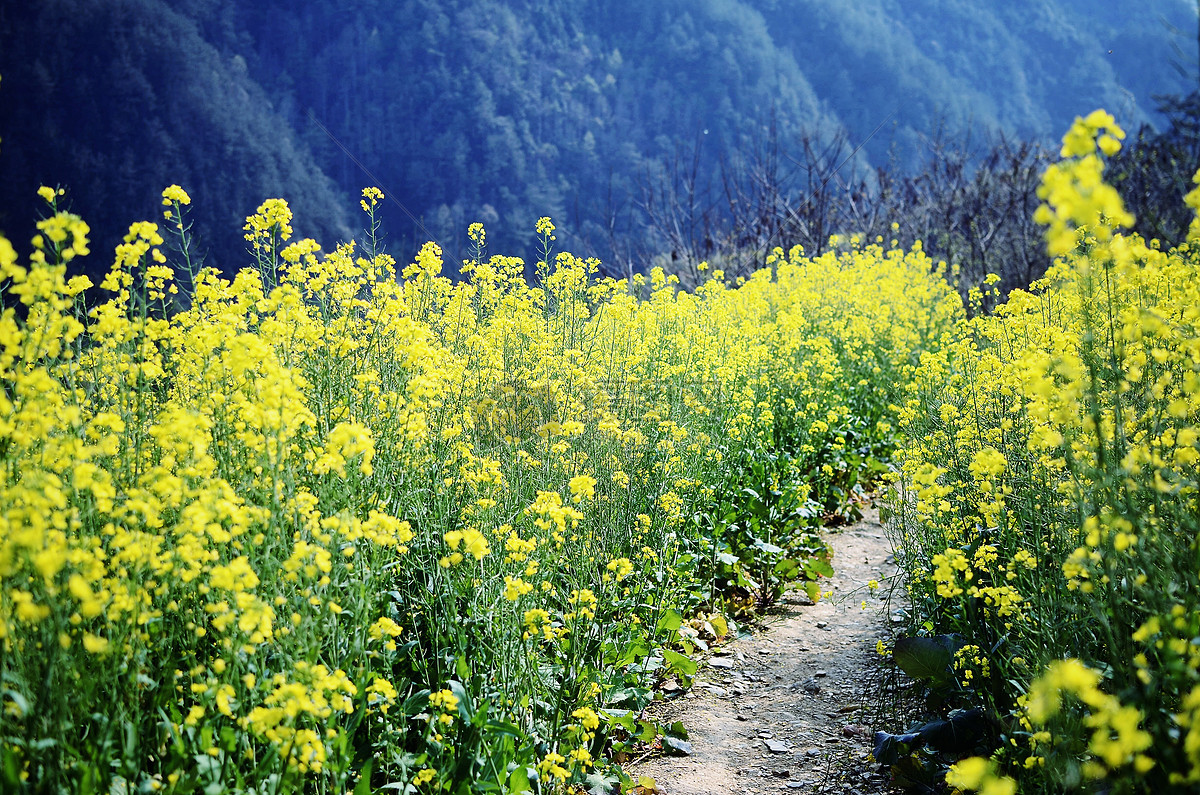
{"x": 504, "y": 111}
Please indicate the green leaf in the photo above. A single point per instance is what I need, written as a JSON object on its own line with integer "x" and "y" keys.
{"x": 818, "y": 566}
{"x": 767, "y": 547}
{"x": 18, "y": 700}
{"x": 599, "y": 783}
{"x": 630, "y": 654}
{"x": 87, "y": 785}
{"x": 416, "y": 703}
{"x": 889, "y": 748}
{"x": 788, "y": 569}
{"x": 635, "y": 697}
{"x": 680, "y": 663}
{"x": 719, "y": 625}
{"x": 925, "y": 658}
{"x": 813, "y": 590}
{"x": 363, "y": 787}
{"x": 518, "y": 780}
{"x": 669, "y": 621}
{"x": 466, "y": 708}
{"x": 504, "y": 729}
{"x": 958, "y": 733}
{"x": 10, "y": 768}
{"x": 621, "y": 717}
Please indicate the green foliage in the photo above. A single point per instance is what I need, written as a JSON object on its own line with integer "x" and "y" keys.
{"x": 759, "y": 536}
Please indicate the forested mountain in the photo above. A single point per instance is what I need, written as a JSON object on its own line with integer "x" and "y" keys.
{"x": 505, "y": 110}
{"x": 117, "y": 100}
{"x": 1026, "y": 68}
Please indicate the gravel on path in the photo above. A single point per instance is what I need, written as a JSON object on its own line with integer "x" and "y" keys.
{"x": 791, "y": 708}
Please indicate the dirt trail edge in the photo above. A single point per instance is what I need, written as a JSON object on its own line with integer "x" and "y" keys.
{"x": 791, "y": 708}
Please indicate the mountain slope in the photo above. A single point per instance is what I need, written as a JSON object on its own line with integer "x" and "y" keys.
{"x": 505, "y": 110}
{"x": 117, "y": 100}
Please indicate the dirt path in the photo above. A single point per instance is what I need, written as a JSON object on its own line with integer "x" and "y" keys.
{"x": 791, "y": 708}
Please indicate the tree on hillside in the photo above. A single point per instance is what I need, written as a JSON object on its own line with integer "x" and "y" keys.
{"x": 115, "y": 101}
{"x": 971, "y": 208}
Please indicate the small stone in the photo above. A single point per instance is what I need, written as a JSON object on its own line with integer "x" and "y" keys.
{"x": 822, "y": 624}
{"x": 720, "y": 662}
{"x": 821, "y": 673}
{"x": 675, "y": 745}
{"x": 776, "y": 747}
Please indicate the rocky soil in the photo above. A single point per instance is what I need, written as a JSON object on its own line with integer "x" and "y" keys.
{"x": 793, "y": 706}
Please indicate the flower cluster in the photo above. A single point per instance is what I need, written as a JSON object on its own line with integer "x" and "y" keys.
{"x": 1045, "y": 505}
{"x": 275, "y": 526}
